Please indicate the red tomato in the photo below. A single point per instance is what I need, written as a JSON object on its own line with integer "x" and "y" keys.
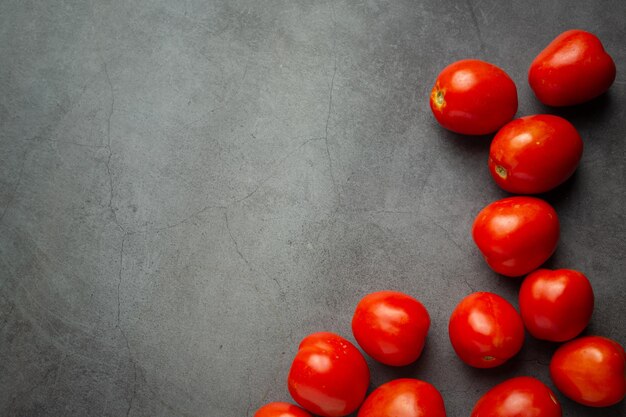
{"x": 404, "y": 398}
{"x": 281, "y": 410}
{"x": 518, "y": 397}
{"x": 534, "y": 154}
{"x": 556, "y": 305}
{"x": 516, "y": 234}
{"x": 573, "y": 68}
{"x": 328, "y": 376}
{"x": 391, "y": 327}
{"x": 590, "y": 371}
{"x": 485, "y": 330}
{"x": 473, "y": 97}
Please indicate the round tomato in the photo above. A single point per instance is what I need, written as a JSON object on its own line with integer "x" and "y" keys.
{"x": 573, "y": 68}
{"x": 278, "y": 409}
{"x": 518, "y": 397}
{"x": 556, "y": 305}
{"x": 516, "y": 234}
{"x": 534, "y": 154}
{"x": 485, "y": 330}
{"x": 473, "y": 97}
{"x": 404, "y": 398}
{"x": 590, "y": 371}
{"x": 391, "y": 327}
{"x": 329, "y": 376}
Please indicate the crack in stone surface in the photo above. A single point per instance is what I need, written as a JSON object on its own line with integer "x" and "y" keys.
{"x": 17, "y": 184}
{"x": 108, "y": 147}
{"x": 236, "y": 201}
{"x": 330, "y": 106}
{"x": 479, "y": 35}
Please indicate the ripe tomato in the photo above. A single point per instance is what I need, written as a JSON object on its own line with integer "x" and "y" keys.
{"x": 534, "y": 154}
{"x": 485, "y": 330}
{"x": 556, "y": 305}
{"x": 572, "y": 69}
{"x": 473, "y": 97}
{"x": 516, "y": 234}
{"x": 329, "y": 376}
{"x": 404, "y": 398}
{"x": 391, "y": 327}
{"x": 281, "y": 410}
{"x": 518, "y": 397}
{"x": 590, "y": 371}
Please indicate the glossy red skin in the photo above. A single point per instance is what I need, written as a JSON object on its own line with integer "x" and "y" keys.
{"x": 391, "y": 327}
{"x": 404, "y": 398}
{"x": 590, "y": 370}
{"x": 473, "y": 97}
{"x": 516, "y": 234}
{"x": 278, "y": 409}
{"x": 556, "y": 305}
{"x": 329, "y": 376}
{"x": 572, "y": 69}
{"x": 518, "y": 397}
{"x": 485, "y": 330}
{"x": 534, "y": 154}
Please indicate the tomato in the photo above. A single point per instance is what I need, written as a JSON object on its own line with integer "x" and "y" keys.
{"x": 590, "y": 371}
{"x": 516, "y": 234}
{"x": 404, "y": 398}
{"x": 329, "y": 376}
{"x": 281, "y": 410}
{"x": 391, "y": 327}
{"x": 572, "y": 69}
{"x": 485, "y": 330}
{"x": 534, "y": 154}
{"x": 518, "y": 397}
{"x": 473, "y": 97}
{"x": 556, "y": 305}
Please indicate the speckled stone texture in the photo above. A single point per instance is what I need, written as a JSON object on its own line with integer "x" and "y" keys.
{"x": 188, "y": 188}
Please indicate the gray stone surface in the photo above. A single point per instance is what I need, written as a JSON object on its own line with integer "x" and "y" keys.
{"x": 188, "y": 188}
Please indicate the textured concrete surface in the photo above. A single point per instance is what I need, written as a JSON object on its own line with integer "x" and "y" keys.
{"x": 188, "y": 188}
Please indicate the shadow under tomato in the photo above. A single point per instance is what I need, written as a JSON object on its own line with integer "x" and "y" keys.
{"x": 583, "y": 115}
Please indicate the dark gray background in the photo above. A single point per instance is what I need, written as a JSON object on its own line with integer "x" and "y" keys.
{"x": 188, "y": 188}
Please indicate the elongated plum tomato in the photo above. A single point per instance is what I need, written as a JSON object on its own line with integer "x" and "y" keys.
{"x": 572, "y": 69}
{"x": 516, "y": 234}
{"x": 590, "y": 371}
{"x": 556, "y": 305}
{"x": 518, "y": 397}
{"x": 329, "y": 376}
{"x": 485, "y": 330}
{"x": 534, "y": 154}
{"x": 404, "y": 398}
{"x": 473, "y": 97}
{"x": 278, "y": 409}
{"x": 391, "y": 327}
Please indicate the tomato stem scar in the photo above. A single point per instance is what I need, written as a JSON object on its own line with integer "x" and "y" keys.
{"x": 437, "y": 96}
{"x": 488, "y": 358}
{"x": 501, "y": 171}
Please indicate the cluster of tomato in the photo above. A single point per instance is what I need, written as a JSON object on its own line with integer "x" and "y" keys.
{"x": 330, "y": 377}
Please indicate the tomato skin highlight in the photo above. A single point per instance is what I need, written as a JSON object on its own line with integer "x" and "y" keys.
{"x": 328, "y": 376}
{"x": 391, "y": 327}
{"x": 590, "y": 371}
{"x": 518, "y": 397}
{"x": 280, "y": 409}
{"x": 516, "y": 234}
{"x": 404, "y": 398}
{"x": 572, "y": 69}
{"x": 485, "y": 330}
{"x": 534, "y": 154}
{"x": 556, "y": 305}
{"x": 473, "y": 97}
